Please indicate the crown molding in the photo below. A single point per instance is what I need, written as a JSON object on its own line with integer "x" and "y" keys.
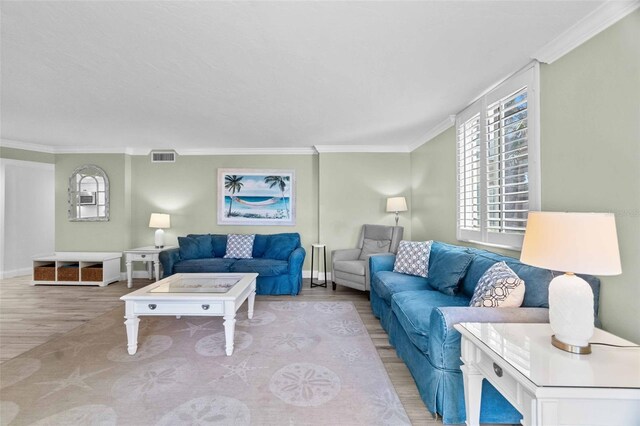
{"x": 247, "y": 151}
{"x": 8, "y": 143}
{"x": 600, "y": 19}
{"x": 27, "y": 164}
{"x": 435, "y": 131}
{"x": 322, "y": 149}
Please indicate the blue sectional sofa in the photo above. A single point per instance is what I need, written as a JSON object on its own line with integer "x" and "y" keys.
{"x": 419, "y": 320}
{"x": 277, "y": 258}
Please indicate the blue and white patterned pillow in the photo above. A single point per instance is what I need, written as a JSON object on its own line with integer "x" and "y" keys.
{"x": 239, "y": 246}
{"x": 413, "y": 258}
{"x": 498, "y": 287}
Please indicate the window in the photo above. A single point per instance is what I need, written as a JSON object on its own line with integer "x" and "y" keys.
{"x": 498, "y": 164}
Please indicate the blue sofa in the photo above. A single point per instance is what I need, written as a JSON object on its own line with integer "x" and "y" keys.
{"x": 277, "y": 258}
{"x": 419, "y": 320}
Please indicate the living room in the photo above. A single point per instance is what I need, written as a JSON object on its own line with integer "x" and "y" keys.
{"x": 586, "y": 63}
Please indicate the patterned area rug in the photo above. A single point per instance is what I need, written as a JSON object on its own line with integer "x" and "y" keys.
{"x": 294, "y": 363}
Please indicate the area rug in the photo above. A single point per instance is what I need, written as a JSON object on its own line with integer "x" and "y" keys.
{"x": 294, "y": 363}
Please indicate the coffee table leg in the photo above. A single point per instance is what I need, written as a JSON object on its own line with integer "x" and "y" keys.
{"x": 131, "y": 324}
{"x": 252, "y": 298}
{"x": 229, "y": 332}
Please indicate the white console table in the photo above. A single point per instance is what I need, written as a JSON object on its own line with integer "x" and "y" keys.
{"x": 547, "y": 385}
{"x": 150, "y": 255}
{"x": 77, "y": 268}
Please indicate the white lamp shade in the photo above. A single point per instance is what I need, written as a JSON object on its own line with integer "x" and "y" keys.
{"x": 159, "y": 220}
{"x": 584, "y": 243}
{"x": 396, "y": 204}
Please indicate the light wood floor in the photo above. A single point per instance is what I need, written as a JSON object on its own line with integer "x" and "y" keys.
{"x": 33, "y": 315}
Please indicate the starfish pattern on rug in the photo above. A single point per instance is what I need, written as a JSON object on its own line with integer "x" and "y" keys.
{"x": 194, "y": 328}
{"x": 74, "y": 379}
{"x": 239, "y": 370}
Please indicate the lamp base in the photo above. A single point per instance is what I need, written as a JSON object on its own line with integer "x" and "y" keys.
{"x": 582, "y": 350}
{"x": 159, "y": 238}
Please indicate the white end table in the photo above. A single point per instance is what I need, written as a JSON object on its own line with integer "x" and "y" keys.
{"x": 150, "y": 255}
{"x": 547, "y": 385}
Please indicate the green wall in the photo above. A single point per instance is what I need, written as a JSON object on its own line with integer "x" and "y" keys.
{"x": 353, "y": 191}
{"x": 590, "y": 157}
{"x": 24, "y": 155}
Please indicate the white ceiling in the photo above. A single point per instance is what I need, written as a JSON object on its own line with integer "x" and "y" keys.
{"x": 247, "y": 75}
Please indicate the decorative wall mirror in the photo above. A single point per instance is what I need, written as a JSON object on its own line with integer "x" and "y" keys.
{"x": 88, "y": 194}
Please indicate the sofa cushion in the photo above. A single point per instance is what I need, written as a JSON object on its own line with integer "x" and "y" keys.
{"x": 195, "y": 247}
{"x": 264, "y": 267}
{"x": 239, "y": 246}
{"x": 413, "y": 258}
{"x": 387, "y": 283}
{"x": 413, "y": 311}
{"x": 219, "y": 242}
{"x": 447, "y": 266}
{"x": 280, "y": 246}
{"x": 355, "y": 267}
{"x": 498, "y": 287}
{"x": 370, "y": 247}
{"x": 204, "y": 265}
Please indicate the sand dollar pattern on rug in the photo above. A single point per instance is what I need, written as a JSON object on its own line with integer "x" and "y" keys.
{"x": 208, "y": 410}
{"x": 214, "y": 344}
{"x": 333, "y": 307}
{"x": 260, "y": 318}
{"x": 289, "y": 341}
{"x": 93, "y": 414}
{"x": 345, "y": 327}
{"x": 305, "y": 384}
{"x": 8, "y": 411}
{"x": 389, "y": 408}
{"x": 288, "y": 306}
{"x": 154, "y": 380}
{"x": 150, "y": 346}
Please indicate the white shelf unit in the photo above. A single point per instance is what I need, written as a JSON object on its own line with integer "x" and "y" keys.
{"x": 85, "y": 268}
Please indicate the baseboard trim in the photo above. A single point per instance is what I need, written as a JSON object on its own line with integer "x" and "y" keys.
{"x": 15, "y": 273}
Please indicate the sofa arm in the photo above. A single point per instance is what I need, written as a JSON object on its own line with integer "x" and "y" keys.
{"x": 296, "y": 260}
{"x": 168, "y": 258}
{"x": 444, "y": 340}
{"x": 381, "y": 262}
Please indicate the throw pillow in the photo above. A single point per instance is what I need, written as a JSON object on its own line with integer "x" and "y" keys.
{"x": 447, "y": 267}
{"x": 370, "y": 247}
{"x": 413, "y": 258}
{"x": 498, "y": 287}
{"x": 195, "y": 247}
{"x": 239, "y": 246}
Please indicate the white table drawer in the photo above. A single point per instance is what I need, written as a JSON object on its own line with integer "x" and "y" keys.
{"x": 498, "y": 376}
{"x": 179, "y": 308}
{"x": 140, "y": 257}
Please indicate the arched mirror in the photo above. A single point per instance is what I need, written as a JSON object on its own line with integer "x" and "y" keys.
{"x": 88, "y": 194}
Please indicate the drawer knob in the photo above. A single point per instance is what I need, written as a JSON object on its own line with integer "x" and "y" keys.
{"x": 152, "y": 306}
{"x": 497, "y": 370}
{"x": 144, "y": 255}
{"x": 205, "y": 307}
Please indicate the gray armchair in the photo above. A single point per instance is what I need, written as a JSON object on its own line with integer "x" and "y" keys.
{"x": 350, "y": 267}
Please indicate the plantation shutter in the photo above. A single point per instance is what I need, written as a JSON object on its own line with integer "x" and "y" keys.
{"x": 469, "y": 177}
{"x": 507, "y": 198}
{"x": 498, "y": 163}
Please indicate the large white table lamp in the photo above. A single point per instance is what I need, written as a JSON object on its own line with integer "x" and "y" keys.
{"x": 584, "y": 243}
{"x": 159, "y": 221}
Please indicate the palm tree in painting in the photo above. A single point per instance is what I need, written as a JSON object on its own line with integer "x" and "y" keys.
{"x": 281, "y": 182}
{"x": 233, "y": 184}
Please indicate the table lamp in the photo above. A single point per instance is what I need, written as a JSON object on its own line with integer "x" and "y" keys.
{"x": 160, "y": 221}
{"x": 584, "y": 243}
{"x": 396, "y": 204}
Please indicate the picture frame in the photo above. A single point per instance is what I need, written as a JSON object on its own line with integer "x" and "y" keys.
{"x": 256, "y": 197}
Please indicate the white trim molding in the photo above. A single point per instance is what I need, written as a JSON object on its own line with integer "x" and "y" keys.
{"x": 445, "y": 124}
{"x": 8, "y": 143}
{"x": 600, "y": 19}
{"x": 323, "y": 149}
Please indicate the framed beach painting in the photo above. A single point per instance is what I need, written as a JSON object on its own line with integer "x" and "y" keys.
{"x": 256, "y": 197}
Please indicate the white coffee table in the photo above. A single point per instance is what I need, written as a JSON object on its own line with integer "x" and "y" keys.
{"x": 206, "y": 294}
{"x": 547, "y": 385}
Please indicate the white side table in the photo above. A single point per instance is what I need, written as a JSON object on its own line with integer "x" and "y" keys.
{"x": 547, "y": 385}
{"x": 150, "y": 255}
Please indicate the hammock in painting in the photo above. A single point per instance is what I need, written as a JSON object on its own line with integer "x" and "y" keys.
{"x": 257, "y": 203}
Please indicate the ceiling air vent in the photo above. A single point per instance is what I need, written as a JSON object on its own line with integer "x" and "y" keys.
{"x": 163, "y": 156}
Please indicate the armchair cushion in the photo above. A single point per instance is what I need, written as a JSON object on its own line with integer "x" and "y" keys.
{"x": 195, "y": 247}
{"x": 447, "y": 267}
{"x": 356, "y": 267}
{"x": 370, "y": 247}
